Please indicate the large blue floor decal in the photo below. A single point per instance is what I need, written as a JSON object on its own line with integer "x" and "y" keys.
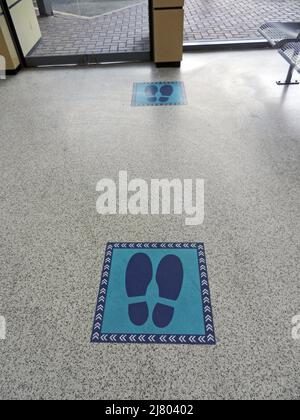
{"x": 158, "y": 94}
{"x": 154, "y": 293}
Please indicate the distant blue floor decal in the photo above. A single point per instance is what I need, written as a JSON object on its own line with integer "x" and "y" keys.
{"x": 154, "y": 293}
{"x": 159, "y": 94}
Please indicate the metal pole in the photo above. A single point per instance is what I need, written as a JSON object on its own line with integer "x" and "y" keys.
{"x": 289, "y": 77}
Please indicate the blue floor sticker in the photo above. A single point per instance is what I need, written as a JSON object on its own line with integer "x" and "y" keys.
{"x": 154, "y": 293}
{"x": 158, "y": 94}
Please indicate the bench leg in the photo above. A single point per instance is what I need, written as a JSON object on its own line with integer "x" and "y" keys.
{"x": 289, "y": 77}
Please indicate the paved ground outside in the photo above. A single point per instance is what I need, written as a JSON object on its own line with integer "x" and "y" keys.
{"x": 126, "y": 30}
{"x": 209, "y": 20}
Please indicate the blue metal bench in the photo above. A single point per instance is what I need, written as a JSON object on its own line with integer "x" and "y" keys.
{"x": 291, "y": 53}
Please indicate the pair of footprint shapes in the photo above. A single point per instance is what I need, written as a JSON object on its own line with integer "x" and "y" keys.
{"x": 165, "y": 92}
{"x": 169, "y": 278}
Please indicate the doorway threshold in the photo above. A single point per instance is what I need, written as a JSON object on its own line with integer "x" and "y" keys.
{"x": 238, "y": 44}
{"x": 87, "y": 59}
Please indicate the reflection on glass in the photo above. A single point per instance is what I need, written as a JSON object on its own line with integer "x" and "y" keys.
{"x": 91, "y": 8}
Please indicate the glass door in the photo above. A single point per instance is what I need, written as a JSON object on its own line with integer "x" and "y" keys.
{"x": 81, "y": 31}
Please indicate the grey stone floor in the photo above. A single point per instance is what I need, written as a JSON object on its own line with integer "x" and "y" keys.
{"x": 62, "y": 130}
{"x": 127, "y": 30}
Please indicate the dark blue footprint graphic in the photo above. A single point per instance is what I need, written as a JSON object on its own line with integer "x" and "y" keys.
{"x": 169, "y": 278}
{"x": 165, "y": 92}
{"x": 139, "y": 274}
{"x": 151, "y": 92}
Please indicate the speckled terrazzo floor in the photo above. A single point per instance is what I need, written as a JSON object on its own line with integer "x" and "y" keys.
{"x": 62, "y": 130}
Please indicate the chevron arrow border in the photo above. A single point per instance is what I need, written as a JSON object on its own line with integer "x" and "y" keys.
{"x": 207, "y": 339}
